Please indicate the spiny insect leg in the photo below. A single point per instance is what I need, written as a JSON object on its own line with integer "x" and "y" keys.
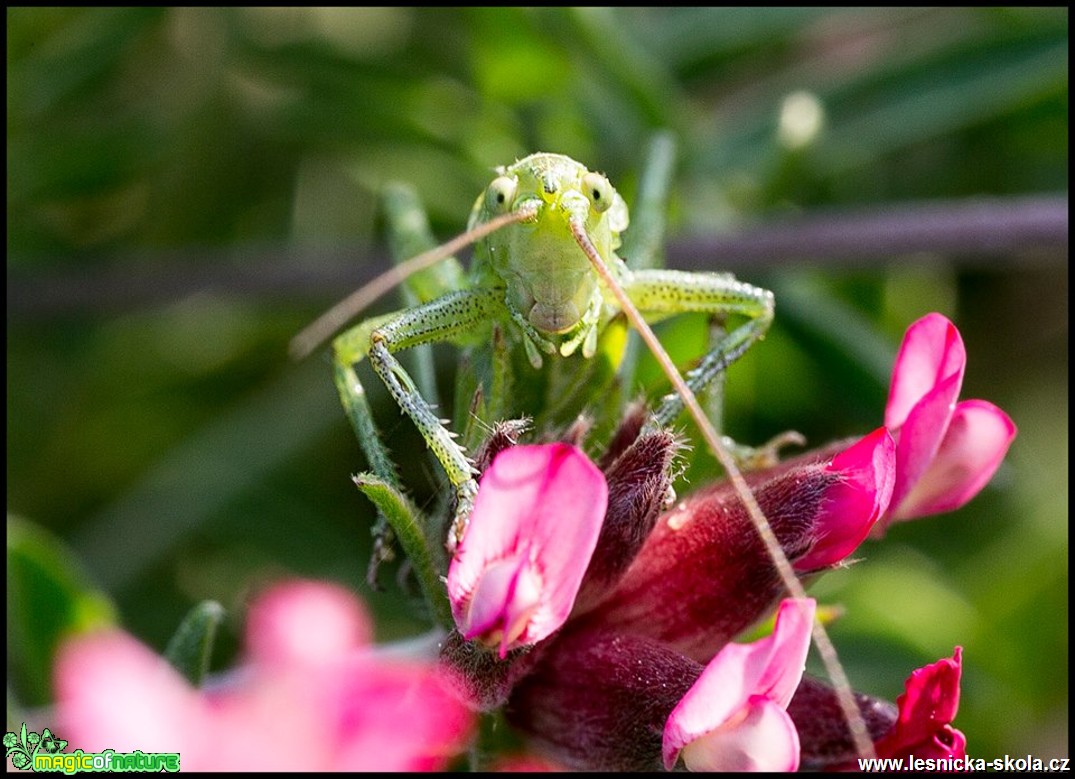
{"x": 449, "y": 317}
{"x": 659, "y": 293}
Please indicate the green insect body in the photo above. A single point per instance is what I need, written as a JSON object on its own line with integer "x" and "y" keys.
{"x": 552, "y": 293}
{"x": 533, "y": 280}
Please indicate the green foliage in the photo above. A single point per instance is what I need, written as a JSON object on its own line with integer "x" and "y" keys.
{"x": 191, "y": 647}
{"x": 49, "y": 597}
{"x": 411, "y": 530}
{"x": 187, "y": 187}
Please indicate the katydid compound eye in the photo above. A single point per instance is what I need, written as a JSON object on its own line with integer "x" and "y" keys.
{"x": 500, "y": 193}
{"x": 598, "y": 190}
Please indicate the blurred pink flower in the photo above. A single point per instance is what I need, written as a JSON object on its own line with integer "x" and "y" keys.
{"x": 312, "y": 696}
{"x": 534, "y": 527}
{"x": 945, "y": 451}
{"x": 734, "y": 717}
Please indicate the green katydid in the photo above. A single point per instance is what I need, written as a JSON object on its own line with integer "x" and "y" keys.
{"x": 534, "y": 275}
{"x": 546, "y": 276}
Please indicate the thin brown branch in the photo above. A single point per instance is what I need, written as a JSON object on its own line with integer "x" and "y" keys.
{"x": 979, "y": 233}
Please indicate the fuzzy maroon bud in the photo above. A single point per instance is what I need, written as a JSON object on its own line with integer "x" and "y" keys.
{"x": 480, "y": 678}
{"x": 704, "y": 574}
{"x": 638, "y": 483}
{"x": 825, "y": 741}
{"x": 599, "y": 701}
{"x": 627, "y": 433}
{"x": 505, "y": 434}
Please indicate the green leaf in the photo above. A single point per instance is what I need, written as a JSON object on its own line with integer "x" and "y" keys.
{"x": 192, "y": 645}
{"x": 410, "y": 527}
{"x": 49, "y": 596}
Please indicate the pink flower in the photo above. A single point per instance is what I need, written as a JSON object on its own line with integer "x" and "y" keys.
{"x": 665, "y": 593}
{"x": 867, "y": 475}
{"x": 534, "y": 527}
{"x": 919, "y": 724}
{"x": 114, "y": 693}
{"x": 305, "y": 623}
{"x": 926, "y": 709}
{"x": 311, "y": 697}
{"x": 734, "y": 718}
{"x": 946, "y": 451}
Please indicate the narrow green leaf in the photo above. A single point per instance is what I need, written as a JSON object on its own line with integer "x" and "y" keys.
{"x": 409, "y": 526}
{"x": 192, "y": 645}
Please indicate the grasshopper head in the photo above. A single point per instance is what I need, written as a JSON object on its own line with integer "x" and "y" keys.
{"x": 548, "y": 279}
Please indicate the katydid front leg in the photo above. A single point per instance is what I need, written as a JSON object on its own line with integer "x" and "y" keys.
{"x": 451, "y": 317}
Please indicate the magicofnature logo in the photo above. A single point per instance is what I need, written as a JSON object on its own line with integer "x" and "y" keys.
{"x": 29, "y": 750}
{"x": 23, "y": 747}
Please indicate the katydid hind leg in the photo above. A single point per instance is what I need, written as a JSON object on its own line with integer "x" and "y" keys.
{"x": 643, "y": 243}
{"x": 660, "y": 293}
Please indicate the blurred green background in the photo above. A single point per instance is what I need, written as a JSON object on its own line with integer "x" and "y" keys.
{"x": 188, "y": 187}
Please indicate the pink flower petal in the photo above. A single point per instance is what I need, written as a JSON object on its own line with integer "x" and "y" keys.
{"x": 308, "y": 700}
{"x": 867, "y": 471}
{"x": 256, "y": 714}
{"x": 395, "y": 716}
{"x": 789, "y": 644}
{"x": 932, "y": 353}
{"x": 505, "y": 601}
{"x": 534, "y": 527}
{"x": 114, "y": 693}
{"x": 974, "y": 445}
{"x": 764, "y": 739}
{"x": 730, "y": 689}
{"x": 926, "y": 711}
{"x": 932, "y": 695}
{"x": 918, "y": 441}
{"x": 305, "y": 622}
{"x": 723, "y": 689}
{"x": 945, "y": 453}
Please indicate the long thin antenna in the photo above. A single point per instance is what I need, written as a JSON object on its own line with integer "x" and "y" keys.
{"x": 322, "y": 328}
{"x": 855, "y": 722}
